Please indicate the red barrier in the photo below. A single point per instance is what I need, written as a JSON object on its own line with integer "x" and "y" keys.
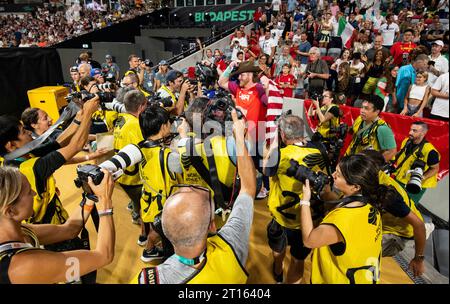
{"x": 437, "y": 131}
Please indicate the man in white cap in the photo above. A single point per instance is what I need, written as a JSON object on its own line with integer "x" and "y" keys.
{"x": 438, "y": 64}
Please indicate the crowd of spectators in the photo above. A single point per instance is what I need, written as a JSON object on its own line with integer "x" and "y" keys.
{"x": 49, "y": 25}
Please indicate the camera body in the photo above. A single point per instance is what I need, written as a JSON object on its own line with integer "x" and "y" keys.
{"x": 316, "y": 95}
{"x": 128, "y": 156}
{"x": 85, "y": 171}
{"x": 219, "y": 109}
{"x": 207, "y": 75}
{"x": 317, "y": 180}
{"x": 165, "y": 102}
{"x": 414, "y": 184}
{"x": 83, "y": 96}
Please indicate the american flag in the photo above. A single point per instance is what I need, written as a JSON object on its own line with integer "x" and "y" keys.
{"x": 274, "y": 108}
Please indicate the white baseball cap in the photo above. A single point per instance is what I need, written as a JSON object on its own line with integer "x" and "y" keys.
{"x": 438, "y": 42}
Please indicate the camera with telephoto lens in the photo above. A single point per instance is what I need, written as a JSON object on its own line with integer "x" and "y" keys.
{"x": 109, "y": 76}
{"x": 389, "y": 167}
{"x": 106, "y": 86}
{"x": 164, "y": 102}
{"x": 83, "y": 96}
{"x": 128, "y": 156}
{"x": 414, "y": 184}
{"x": 148, "y": 63}
{"x": 317, "y": 180}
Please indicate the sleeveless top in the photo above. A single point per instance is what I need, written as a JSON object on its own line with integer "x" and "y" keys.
{"x": 417, "y": 92}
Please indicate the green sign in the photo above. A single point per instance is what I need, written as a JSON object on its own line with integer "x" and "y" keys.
{"x": 225, "y": 16}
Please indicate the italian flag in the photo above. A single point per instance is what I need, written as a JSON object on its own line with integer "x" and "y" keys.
{"x": 346, "y": 32}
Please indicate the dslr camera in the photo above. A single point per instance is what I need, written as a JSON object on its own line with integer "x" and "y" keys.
{"x": 219, "y": 109}
{"x": 83, "y": 96}
{"x": 317, "y": 180}
{"x": 414, "y": 184}
{"x": 128, "y": 156}
{"x": 164, "y": 102}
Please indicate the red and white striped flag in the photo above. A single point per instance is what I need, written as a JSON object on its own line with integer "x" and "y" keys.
{"x": 274, "y": 108}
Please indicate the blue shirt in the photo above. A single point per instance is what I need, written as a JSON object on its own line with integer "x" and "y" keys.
{"x": 405, "y": 77}
{"x": 304, "y": 48}
{"x": 291, "y": 5}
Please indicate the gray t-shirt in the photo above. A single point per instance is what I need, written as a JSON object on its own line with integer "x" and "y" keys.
{"x": 236, "y": 232}
{"x": 318, "y": 67}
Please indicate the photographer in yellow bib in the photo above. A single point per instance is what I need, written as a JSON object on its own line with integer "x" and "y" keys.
{"x": 202, "y": 254}
{"x": 371, "y": 132}
{"x": 347, "y": 243}
{"x": 402, "y": 222}
{"x": 127, "y": 131}
{"x": 160, "y": 170}
{"x": 285, "y": 195}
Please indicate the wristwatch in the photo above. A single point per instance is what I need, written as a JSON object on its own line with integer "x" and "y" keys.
{"x": 419, "y": 257}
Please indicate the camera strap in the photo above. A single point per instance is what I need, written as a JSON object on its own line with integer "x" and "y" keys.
{"x": 347, "y": 200}
{"x": 209, "y": 176}
{"x": 69, "y": 112}
{"x": 419, "y": 148}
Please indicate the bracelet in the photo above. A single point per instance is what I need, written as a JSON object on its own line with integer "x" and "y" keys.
{"x": 419, "y": 257}
{"x": 76, "y": 121}
{"x": 305, "y": 203}
{"x": 105, "y": 212}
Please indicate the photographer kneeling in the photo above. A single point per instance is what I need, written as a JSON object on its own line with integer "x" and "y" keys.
{"x": 22, "y": 261}
{"x": 188, "y": 218}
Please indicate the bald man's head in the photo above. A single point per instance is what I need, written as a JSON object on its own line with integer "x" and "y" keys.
{"x": 84, "y": 69}
{"x": 186, "y": 217}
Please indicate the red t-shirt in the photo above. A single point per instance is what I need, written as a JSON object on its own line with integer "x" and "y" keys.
{"x": 400, "y": 49}
{"x": 290, "y": 79}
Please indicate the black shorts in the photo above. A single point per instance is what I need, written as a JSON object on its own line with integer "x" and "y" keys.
{"x": 280, "y": 237}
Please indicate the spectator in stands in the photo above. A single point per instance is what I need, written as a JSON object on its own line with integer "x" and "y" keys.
{"x": 437, "y": 64}
{"x": 268, "y": 45}
{"x": 407, "y": 76}
{"x": 417, "y": 96}
{"x": 440, "y": 91}
{"x": 385, "y": 88}
{"x": 286, "y": 81}
{"x": 401, "y": 49}
{"x": 390, "y": 31}
{"x": 316, "y": 72}
{"x": 377, "y": 45}
{"x": 262, "y": 64}
{"x": 363, "y": 45}
{"x": 282, "y": 59}
{"x": 374, "y": 70}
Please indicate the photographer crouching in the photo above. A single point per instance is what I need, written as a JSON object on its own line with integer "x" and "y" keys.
{"x": 416, "y": 165}
{"x": 288, "y": 164}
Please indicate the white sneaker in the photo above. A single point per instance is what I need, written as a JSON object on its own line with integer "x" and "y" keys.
{"x": 429, "y": 228}
{"x": 262, "y": 193}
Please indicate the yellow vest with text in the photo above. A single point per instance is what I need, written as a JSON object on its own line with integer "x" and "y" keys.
{"x": 357, "y": 261}
{"x": 226, "y": 170}
{"x": 127, "y": 131}
{"x": 47, "y": 207}
{"x": 156, "y": 184}
{"x": 221, "y": 266}
{"x": 392, "y": 224}
{"x": 368, "y": 140}
{"x": 401, "y": 173}
{"x": 285, "y": 189}
{"x": 324, "y": 128}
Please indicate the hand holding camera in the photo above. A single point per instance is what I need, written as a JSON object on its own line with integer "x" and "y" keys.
{"x": 92, "y": 104}
{"x": 104, "y": 190}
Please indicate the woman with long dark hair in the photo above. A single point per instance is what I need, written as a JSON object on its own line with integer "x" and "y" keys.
{"x": 386, "y": 88}
{"x": 347, "y": 243}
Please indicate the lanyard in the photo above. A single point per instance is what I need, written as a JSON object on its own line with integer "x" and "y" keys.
{"x": 190, "y": 262}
